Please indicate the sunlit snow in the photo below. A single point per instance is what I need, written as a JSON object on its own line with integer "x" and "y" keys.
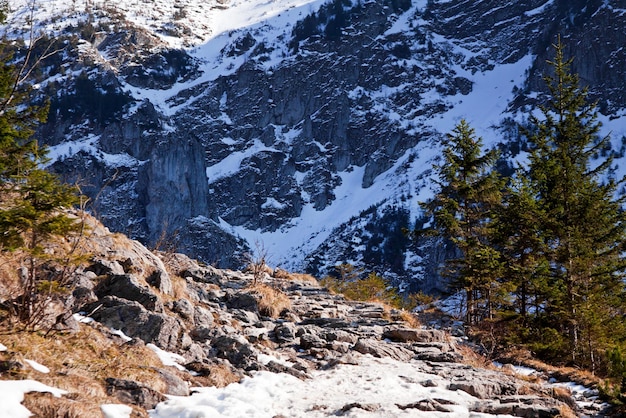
{"x": 12, "y": 394}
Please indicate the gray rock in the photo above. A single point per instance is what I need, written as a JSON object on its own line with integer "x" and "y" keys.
{"x": 104, "y": 267}
{"x": 203, "y": 317}
{"x": 174, "y": 384}
{"x": 136, "y": 321}
{"x": 379, "y": 348}
{"x": 129, "y": 288}
{"x": 415, "y": 335}
{"x": 285, "y": 332}
{"x": 484, "y": 388}
{"x": 161, "y": 280}
{"x": 184, "y": 308}
{"x": 236, "y": 350}
{"x": 369, "y": 407}
{"x": 134, "y": 393}
{"x": 520, "y": 406}
{"x": 242, "y": 300}
{"x": 203, "y": 275}
{"x": 308, "y": 341}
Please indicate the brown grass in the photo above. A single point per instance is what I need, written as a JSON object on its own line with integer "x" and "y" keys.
{"x": 566, "y": 412}
{"x": 472, "y": 358}
{"x": 271, "y": 301}
{"x": 221, "y": 375}
{"x": 294, "y": 277}
{"x": 523, "y": 357}
{"x": 410, "y": 319}
{"x": 78, "y": 363}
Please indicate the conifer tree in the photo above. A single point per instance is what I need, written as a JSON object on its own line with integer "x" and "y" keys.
{"x": 463, "y": 211}
{"x": 519, "y": 239}
{"x": 583, "y": 225}
{"x": 31, "y": 199}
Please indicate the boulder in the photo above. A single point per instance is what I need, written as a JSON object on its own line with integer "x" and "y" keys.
{"x": 236, "y": 350}
{"x": 242, "y": 300}
{"x": 174, "y": 384}
{"x": 128, "y": 287}
{"x": 415, "y": 335}
{"x": 484, "y": 388}
{"x": 184, "y": 308}
{"x": 132, "y": 392}
{"x": 285, "y": 332}
{"x": 134, "y": 320}
{"x": 379, "y": 348}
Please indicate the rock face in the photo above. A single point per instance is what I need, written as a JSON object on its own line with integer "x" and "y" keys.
{"x": 338, "y": 115}
{"x": 216, "y": 317}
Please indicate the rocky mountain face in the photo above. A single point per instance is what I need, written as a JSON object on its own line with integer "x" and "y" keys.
{"x": 311, "y": 130}
{"x": 213, "y": 319}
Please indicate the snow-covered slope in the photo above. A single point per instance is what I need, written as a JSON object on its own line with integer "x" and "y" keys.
{"x": 298, "y": 125}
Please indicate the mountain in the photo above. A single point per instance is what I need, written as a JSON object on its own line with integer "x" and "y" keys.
{"x": 304, "y": 130}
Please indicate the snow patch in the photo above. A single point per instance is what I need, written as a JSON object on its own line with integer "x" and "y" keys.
{"x": 12, "y": 394}
{"x": 37, "y": 366}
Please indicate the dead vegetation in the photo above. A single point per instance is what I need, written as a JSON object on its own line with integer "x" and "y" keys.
{"x": 271, "y": 301}
{"x": 78, "y": 363}
{"x": 560, "y": 373}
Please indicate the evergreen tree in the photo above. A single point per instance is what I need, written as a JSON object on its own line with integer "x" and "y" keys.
{"x": 519, "y": 239}
{"x": 582, "y": 226}
{"x": 31, "y": 199}
{"x": 463, "y": 211}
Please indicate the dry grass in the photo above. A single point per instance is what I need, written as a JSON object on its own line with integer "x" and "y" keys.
{"x": 44, "y": 405}
{"x": 472, "y": 358}
{"x": 78, "y": 363}
{"x": 409, "y": 318}
{"x": 524, "y": 358}
{"x": 221, "y": 376}
{"x": 294, "y": 277}
{"x": 566, "y": 412}
{"x": 271, "y": 301}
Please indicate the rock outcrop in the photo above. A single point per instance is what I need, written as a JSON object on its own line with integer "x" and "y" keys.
{"x": 210, "y": 317}
{"x": 282, "y": 124}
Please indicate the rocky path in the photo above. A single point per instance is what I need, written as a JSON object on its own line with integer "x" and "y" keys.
{"x": 222, "y": 320}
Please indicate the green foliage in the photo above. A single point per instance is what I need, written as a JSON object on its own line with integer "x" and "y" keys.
{"x": 32, "y": 200}
{"x": 542, "y": 258}
{"x": 463, "y": 211}
{"x": 581, "y": 224}
{"x": 370, "y": 288}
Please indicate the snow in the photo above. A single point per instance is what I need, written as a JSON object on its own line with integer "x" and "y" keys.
{"x": 116, "y": 411}
{"x": 540, "y": 9}
{"x": 167, "y": 358}
{"x": 83, "y": 319}
{"x": 12, "y": 394}
{"x": 384, "y": 382}
{"x": 231, "y": 163}
{"x": 37, "y": 366}
{"x": 121, "y": 334}
{"x": 217, "y": 25}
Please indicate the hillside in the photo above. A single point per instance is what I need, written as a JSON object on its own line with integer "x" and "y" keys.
{"x": 135, "y": 327}
{"x": 309, "y": 127}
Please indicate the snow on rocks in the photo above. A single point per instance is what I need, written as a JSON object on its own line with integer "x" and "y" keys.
{"x": 12, "y": 394}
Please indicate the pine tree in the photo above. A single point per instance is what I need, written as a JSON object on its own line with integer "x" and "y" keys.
{"x": 463, "y": 211}
{"x": 583, "y": 225}
{"x": 519, "y": 239}
{"x": 32, "y": 200}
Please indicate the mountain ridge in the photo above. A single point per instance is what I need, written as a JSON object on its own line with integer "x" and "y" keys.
{"x": 284, "y": 134}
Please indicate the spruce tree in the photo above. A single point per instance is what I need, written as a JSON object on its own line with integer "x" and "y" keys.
{"x": 32, "y": 200}
{"x": 463, "y": 211}
{"x": 583, "y": 225}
